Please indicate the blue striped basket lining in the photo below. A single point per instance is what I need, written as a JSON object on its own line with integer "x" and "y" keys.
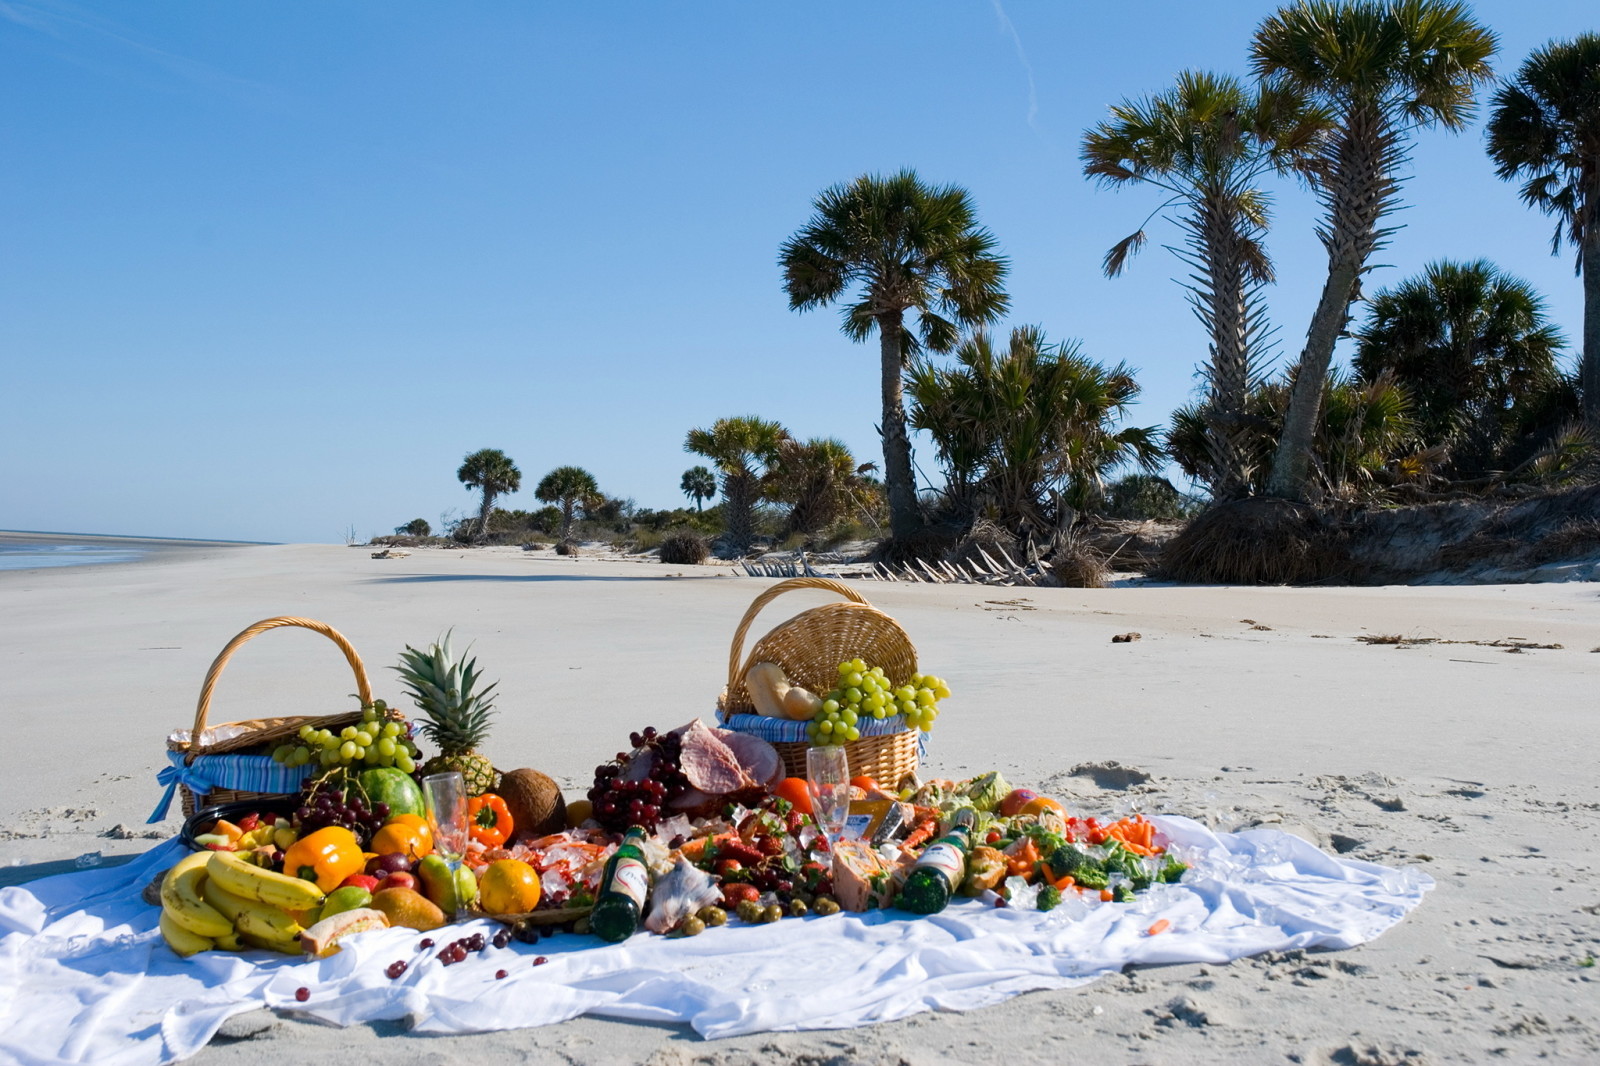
{"x": 789, "y": 731}
{"x": 236, "y": 773}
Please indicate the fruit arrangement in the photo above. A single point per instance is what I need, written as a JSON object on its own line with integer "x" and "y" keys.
{"x": 866, "y": 692}
{"x": 691, "y": 828}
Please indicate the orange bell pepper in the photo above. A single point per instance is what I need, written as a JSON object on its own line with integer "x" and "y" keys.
{"x": 488, "y": 820}
{"x": 408, "y": 834}
{"x": 327, "y": 857}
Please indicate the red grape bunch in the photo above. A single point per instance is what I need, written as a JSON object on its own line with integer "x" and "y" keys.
{"x": 619, "y": 804}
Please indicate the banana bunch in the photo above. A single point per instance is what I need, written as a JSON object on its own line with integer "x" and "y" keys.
{"x": 217, "y": 899}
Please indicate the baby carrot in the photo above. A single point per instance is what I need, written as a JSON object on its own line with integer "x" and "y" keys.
{"x": 1160, "y": 927}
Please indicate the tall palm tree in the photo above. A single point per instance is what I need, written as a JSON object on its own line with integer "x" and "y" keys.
{"x": 567, "y": 487}
{"x": 699, "y": 484}
{"x": 896, "y": 244}
{"x": 1384, "y": 69}
{"x": 816, "y": 478}
{"x": 1024, "y": 430}
{"x": 744, "y": 450}
{"x": 1468, "y": 343}
{"x": 1207, "y": 143}
{"x": 1546, "y": 128}
{"x": 492, "y": 472}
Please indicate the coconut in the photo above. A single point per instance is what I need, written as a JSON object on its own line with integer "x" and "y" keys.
{"x": 535, "y": 803}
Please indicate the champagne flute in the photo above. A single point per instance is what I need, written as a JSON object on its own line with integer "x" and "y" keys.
{"x": 828, "y": 775}
{"x": 445, "y": 798}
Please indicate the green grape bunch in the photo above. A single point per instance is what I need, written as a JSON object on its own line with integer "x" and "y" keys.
{"x": 374, "y": 741}
{"x": 865, "y": 691}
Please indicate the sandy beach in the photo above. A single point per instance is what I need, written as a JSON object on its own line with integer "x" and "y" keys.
{"x": 1462, "y": 752}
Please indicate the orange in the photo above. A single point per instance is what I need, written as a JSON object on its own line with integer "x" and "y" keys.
{"x": 796, "y": 791}
{"x": 1041, "y": 804}
{"x": 409, "y": 834}
{"x": 509, "y": 886}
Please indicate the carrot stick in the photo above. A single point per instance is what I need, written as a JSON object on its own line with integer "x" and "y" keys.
{"x": 1160, "y": 927}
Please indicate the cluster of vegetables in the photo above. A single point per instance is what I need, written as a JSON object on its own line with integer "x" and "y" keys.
{"x": 1029, "y": 851}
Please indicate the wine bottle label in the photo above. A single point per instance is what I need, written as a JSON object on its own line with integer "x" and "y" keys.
{"x": 631, "y": 879}
{"x": 947, "y": 859}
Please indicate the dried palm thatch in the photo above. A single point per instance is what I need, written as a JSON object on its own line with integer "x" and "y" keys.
{"x": 684, "y": 548}
{"x": 1078, "y": 565}
{"x": 985, "y": 537}
{"x": 1256, "y": 541}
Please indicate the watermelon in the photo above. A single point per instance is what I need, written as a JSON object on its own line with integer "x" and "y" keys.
{"x": 385, "y": 784}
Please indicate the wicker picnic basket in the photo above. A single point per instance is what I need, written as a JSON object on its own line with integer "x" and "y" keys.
{"x": 810, "y": 646}
{"x": 225, "y": 770}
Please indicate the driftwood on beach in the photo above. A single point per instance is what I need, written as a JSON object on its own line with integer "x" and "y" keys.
{"x": 986, "y": 570}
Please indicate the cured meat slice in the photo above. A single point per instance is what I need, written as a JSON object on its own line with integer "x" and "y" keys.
{"x": 708, "y": 763}
{"x": 639, "y": 765}
{"x": 759, "y": 759}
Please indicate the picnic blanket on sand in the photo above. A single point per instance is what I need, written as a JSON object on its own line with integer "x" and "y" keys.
{"x": 85, "y": 976}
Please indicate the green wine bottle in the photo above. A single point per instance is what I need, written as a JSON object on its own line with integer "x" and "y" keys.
{"x": 623, "y": 890}
{"x": 939, "y": 870}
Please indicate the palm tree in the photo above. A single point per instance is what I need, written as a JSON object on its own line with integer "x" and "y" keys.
{"x": 699, "y": 484}
{"x": 1028, "y": 430}
{"x": 1207, "y": 143}
{"x": 1383, "y": 69}
{"x": 567, "y": 487}
{"x": 895, "y": 245}
{"x": 744, "y": 450}
{"x": 493, "y": 472}
{"x": 817, "y": 479}
{"x": 1468, "y": 343}
{"x": 1546, "y": 127}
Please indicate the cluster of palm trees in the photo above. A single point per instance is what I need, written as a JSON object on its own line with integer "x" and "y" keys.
{"x": 492, "y": 473}
{"x": 1455, "y": 377}
{"x": 758, "y": 460}
{"x": 1340, "y": 89}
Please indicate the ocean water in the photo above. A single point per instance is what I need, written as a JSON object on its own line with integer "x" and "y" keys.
{"x": 29, "y": 555}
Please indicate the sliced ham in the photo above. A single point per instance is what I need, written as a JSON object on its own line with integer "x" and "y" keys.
{"x": 708, "y": 763}
{"x": 760, "y": 760}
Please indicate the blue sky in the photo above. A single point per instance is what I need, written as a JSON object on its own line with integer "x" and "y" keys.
{"x": 268, "y": 271}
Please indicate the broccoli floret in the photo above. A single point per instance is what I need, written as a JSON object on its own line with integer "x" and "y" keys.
{"x": 1091, "y": 876}
{"x": 1123, "y": 893}
{"x": 1049, "y": 898}
{"x": 1171, "y": 871}
{"x": 1068, "y": 860}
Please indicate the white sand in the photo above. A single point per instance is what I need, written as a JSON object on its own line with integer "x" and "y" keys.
{"x": 1476, "y": 764}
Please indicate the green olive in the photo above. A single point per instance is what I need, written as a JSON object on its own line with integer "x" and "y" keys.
{"x": 693, "y": 926}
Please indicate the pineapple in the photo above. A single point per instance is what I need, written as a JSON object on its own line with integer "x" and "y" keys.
{"x": 457, "y": 717}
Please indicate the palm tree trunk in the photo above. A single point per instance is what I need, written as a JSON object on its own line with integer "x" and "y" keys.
{"x": 738, "y": 491}
{"x": 904, "y": 519}
{"x": 566, "y": 517}
{"x": 1230, "y": 358}
{"x": 483, "y": 513}
{"x": 1359, "y": 190}
{"x": 1589, "y": 369}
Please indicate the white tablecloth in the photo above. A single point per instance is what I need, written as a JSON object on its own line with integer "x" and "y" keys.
{"x": 85, "y": 976}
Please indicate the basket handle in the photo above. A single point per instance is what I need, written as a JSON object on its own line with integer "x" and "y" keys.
{"x": 825, "y": 583}
{"x": 363, "y": 689}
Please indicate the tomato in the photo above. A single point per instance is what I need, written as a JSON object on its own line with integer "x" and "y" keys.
{"x": 994, "y": 837}
{"x": 797, "y": 792}
{"x": 866, "y": 784}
